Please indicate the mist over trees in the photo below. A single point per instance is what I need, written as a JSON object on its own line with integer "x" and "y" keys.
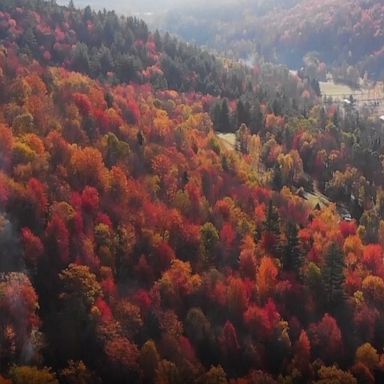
{"x": 131, "y": 6}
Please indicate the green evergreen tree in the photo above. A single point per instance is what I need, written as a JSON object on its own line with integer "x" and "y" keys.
{"x": 333, "y": 275}
{"x": 215, "y": 113}
{"x": 277, "y": 179}
{"x": 224, "y": 122}
{"x": 243, "y": 113}
{"x": 271, "y": 228}
{"x": 256, "y": 123}
{"x": 105, "y": 59}
{"x": 276, "y": 106}
{"x": 128, "y": 67}
{"x": 209, "y": 243}
{"x": 272, "y": 221}
{"x": 336, "y": 118}
{"x": 80, "y": 60}
{"x": 323, "y": 118}
{"x": 242, "y": 135}
{"x": 28, "y": 42}
{"x": 293, "y": 255}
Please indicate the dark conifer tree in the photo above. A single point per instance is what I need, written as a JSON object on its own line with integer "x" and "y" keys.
{"x": 80, "y": 60}
{"x": 333, "y": 276}
{"x": 271, "y": 229}
{"x": 224, "y": 123}
{"x": 293, "y": 256}
{"x": 277, "y": 180}
{"x": 256, "y": 123}
{"x": 243, "y": 113}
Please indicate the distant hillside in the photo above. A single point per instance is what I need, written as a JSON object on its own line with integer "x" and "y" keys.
{"x": 117, "y": 49}
{"x": 123, "y": 6}
{"x": 338, "y": 33}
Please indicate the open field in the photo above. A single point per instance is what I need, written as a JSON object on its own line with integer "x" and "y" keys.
{"x": 337, "y": 91}
{"x": 317, "y": 198}
{"x": 370, "y": 96}
{"x": 228, "y": 140}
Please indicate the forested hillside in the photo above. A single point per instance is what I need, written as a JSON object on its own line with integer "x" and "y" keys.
{"x": 113, "y": 48}
{"x": 136, "y": 248}
{"x": 337, "y": 33}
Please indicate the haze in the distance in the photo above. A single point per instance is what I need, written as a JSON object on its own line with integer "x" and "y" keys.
{"x": 131, "y": 6}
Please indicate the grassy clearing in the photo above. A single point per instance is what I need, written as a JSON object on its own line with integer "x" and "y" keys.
{"x": 228, "y": 140}
{"x": 337, "y": 91}
{"x": 317, "y": 198}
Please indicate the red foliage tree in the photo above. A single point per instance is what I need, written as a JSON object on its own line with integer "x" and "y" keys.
{"x": 123, "y": 355}
{"x": 90, "y": 199}
{"x": 373, "y": 259}
{"x": 164, "y": 255}
{"x": 326, "y": 338}
{"x": 237, "y": 296}
{"x": 37, "y": 191}
{"x": 227, "y": 235}
{"x": 57, "y": 240}
{"x": 82, "y": 102}
{"x": 248, "y": 258}
{"x": 262, "y": 321}
{"x": 302, "y": 352}
{"x": 347, "y": 228}
{"x": 33, "y": 247}
{"x": 230, "y": 339}
{"x": 6, "y": 145}
{"x": 132, "y": 112}
{"x": 105, "y": 311}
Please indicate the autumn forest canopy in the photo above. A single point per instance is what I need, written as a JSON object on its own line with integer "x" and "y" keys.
{"x": 139, "y": 245}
